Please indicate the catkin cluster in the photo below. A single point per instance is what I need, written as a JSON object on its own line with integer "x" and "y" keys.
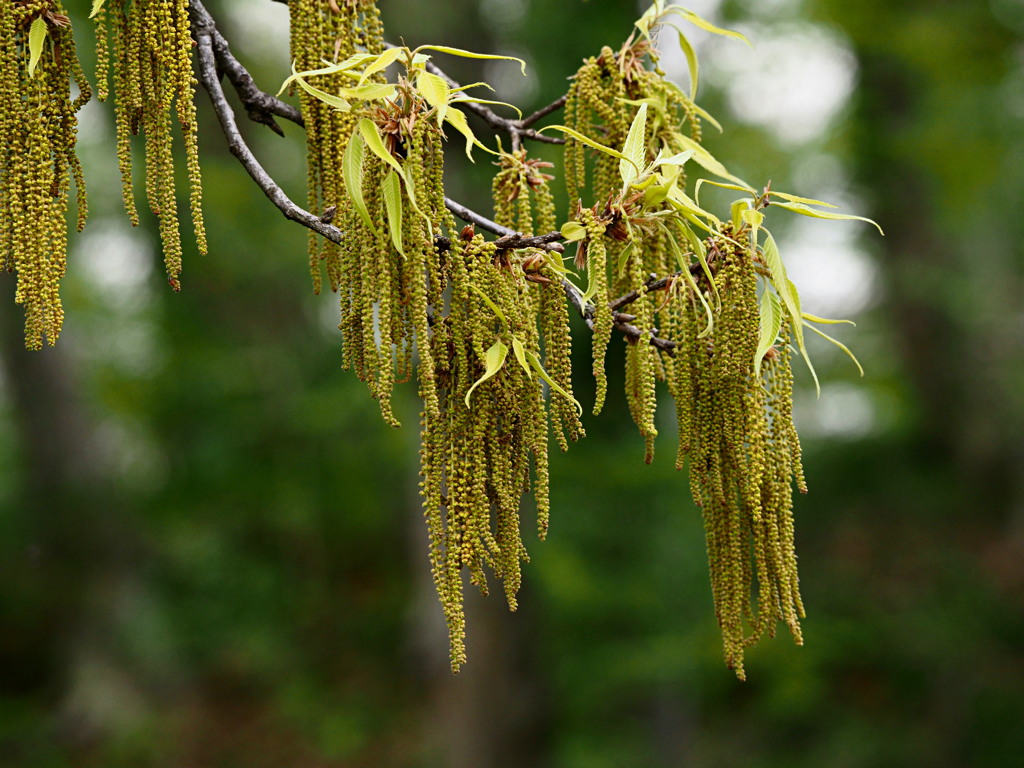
{"x": 523, "y": 201}
{"x": 735, "y": 425}
{"x": 736, "y": 431}
{"x": 37, "y": 156}
{"x": 329, "y": 31}
{"x": 152, "y": 45}
{"x": 480, "y": 458}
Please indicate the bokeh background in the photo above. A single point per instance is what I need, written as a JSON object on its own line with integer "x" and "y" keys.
{"x": 211, "y": 548}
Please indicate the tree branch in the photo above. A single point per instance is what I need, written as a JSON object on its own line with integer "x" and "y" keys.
{"x": 213, "y": 50}
{"x": 204, "y": 30}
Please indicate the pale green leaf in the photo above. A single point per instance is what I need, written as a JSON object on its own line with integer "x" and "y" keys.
{"x": 457, "y": 118}
{"x": 520, "y": 351}
{"x": 797, "y": 199}
{"x": 708, "y": 161}
{"x": 494, "y": 358}
{"x": 470, "y": 54}
{"x": 382, "y": 61}
{"x": 755, "y": 219}
{"x": 36, "y": 37}
{"x": 805, "y": 210}
{"x": 706, "y": 25}
{"x": 684, "y": 272}
{"x": 97, "y": 6}
{"x": 573, "y": 231}
{"x": 586, "y": 140}
{"x": 473, "y": 100}
{"x": 827, "y": 320}
{"x": 535, "y": 362}
{"x": 352, "y": 174}
{"x": 678, "y": 159}
{"x": 723, "y": 185}
{"x": 435, "y": 92}
{"x": 635, "y": 148}
{"x": 392, "y": 189}
{"x": 494, "y": 307}
{"x": 790, "y": 299}
{"x": 335, "y": 101}
{"x": 840, "y": 345}
{"x": 368, "y": 130}
{"x": 691, "y": 60}
{"x": 369, "y": 92}
{"x": 769, "y": 324}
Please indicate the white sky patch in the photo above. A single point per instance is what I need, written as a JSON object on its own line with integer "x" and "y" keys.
{"x": 506, "y": 77}
{"x": 116, "y": 261}
{"x": 843, "y": 411}
{"x": 793, "y": 83}
{"x": 504, "y": 15}
{"x": 263, "y": 29}
{"x": 834, "y": 277}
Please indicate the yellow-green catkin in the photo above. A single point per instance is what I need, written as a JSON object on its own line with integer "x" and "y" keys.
{"x": 592, "y": 254}
{"x": 480, "y": 458}
{"x": 736, "y": 431}
{"x": 523, "y": 201}
{"x": 153, "y": 80}
{"x": 37, "y": 158}
{"x": 329, "y": 31}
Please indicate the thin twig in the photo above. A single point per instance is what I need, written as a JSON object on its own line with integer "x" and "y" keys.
{"x": 260, "y": 105}
{"x": 203, "y": 29}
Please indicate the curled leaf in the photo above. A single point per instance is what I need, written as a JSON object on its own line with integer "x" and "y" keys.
{"x": 806, "y": 210}
{"x": 535, "y": 362}
{"x": 494, "y": 358}
{"x": 470, "y": 54}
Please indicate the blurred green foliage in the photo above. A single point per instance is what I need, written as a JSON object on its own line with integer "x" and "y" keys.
{"x": 210, "y": 545}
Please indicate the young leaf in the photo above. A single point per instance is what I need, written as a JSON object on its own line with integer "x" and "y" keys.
{"x": 684, "y": 271}
{"x": 494, "y": 358}
{"x": 840, "y": 345}
{"x": 691, "y": 60}
{"x": 755, "y": 219}
{"x": 352, "y": 174}
{"x": 768, "y": 328}
{"x": 369, "y": 92}
{"x": 588, "y": 141}
{"x": 97, "y": 5}
{"x": 827, "y": 320}
{"x": 392, "y": 189}
{"x": 520, "y": 350}
{"x": 535, "y": 362}
{"x": 704, "y": 24}
{"x": 634, "y": 149}
{"x": 708, "y": 161}
{"x": 796, "y": 199}
{"x": 368, "y": 130}
{"x": 723, "y": 185}
{"x": 473, "y": 100}
{"x": 470, "y": 54}
{"x": 790, "y": 299}
{"x": 335, "y": 101}
{"x": 382, "y": 62}
{"x": 457, "y": 118}
{"x": 494, "y": 307}
{"x": 805, "y": 210}
{"x": 573, "y": 231}
{"x": 36, "y": 37}
{"x": 435, "y": 92}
